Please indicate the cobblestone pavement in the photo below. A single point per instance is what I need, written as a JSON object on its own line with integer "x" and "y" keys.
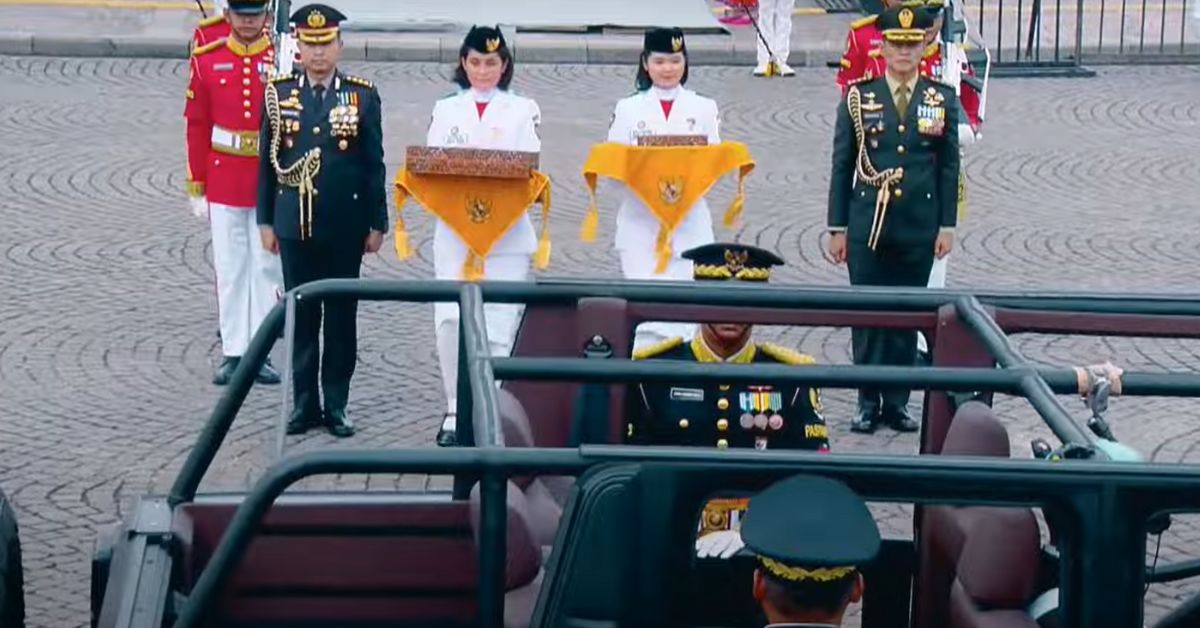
{"x": 107, "y": 322}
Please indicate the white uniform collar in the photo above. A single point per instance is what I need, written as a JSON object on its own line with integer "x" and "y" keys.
{"x": 482, "y": 96}
{"x": 665, "y": 94}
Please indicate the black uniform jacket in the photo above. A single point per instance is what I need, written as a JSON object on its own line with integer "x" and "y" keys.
{"x": 772, "y": 415}
{"x": 924, "y": 142}
{"x": 351, "y": 189}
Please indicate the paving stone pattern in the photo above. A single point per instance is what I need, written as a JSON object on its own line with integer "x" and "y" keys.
{"x": 107, "y": 323}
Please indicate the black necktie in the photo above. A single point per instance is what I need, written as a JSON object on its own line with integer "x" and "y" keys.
{"x": 319, "y": 93}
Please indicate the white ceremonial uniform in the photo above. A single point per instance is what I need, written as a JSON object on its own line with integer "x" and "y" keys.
{"x": 775, "y": 20}
{"x": 508, "y": 123}
{"x": 637, "y": 227}
{"x": 249, "y": 278}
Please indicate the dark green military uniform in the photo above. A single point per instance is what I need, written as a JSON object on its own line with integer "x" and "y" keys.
{"x": 322, "y": 216}
{"x": 893, "y": 188}
{"x": 770, "y": 415}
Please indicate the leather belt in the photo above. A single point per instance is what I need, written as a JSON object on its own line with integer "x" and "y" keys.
{"x": 240, "y": 143}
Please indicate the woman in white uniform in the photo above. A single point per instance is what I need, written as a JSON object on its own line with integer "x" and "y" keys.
{"x": 482, "y": 114}
{"x": 661, "y": 106}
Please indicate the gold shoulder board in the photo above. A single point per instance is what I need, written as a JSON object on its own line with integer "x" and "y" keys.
{"x": 785, "y": 355}
{"x": 861, "y": 22}
{"x": 357, "y": 80}
{"x": 209, "y": 47}
{"x": 282, "y": 78}
{"x": 209, "y": 21}
{"x": 657, "y": 349}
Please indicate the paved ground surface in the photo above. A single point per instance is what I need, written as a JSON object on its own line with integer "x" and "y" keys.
{"x": 107, "y": 322}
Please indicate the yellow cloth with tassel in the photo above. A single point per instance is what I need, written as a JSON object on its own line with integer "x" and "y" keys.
{"x": 480, "y": 210}
{"x": 669, "y": 180}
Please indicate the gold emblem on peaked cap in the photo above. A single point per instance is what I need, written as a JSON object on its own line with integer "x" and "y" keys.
{"x": 906, "y": 18}
{"x": 492, "y": 45}
{"x": 676, "y": 44}
{"x": 316, "y": 19}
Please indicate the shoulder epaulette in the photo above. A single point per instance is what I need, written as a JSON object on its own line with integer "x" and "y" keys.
{"x": 209, "y": 47}
{"x": 861, "y": 79}
{"x": 358, "y": 80}
{"x": 785, "y": 355}
{"x": 209, "y": 21}
{"x": 283, "y": 78}
{"x": 863, "y": 21}
{"x": 658, "y": 348}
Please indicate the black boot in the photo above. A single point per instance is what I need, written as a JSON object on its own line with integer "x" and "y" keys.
{"x": 338, "y": 423}
{"x": 267, "y": 375}
{"x": 225, "y": 372}
{"x": 899, "y": 419}
{"x": 865, "y": 419}
{"x": 302, "y": 420}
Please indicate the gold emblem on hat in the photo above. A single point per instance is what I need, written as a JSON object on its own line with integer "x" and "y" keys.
{"x": 906, "y": 18}
{"x": 492, "y": 45}
{"x": 676, "y": 44}
{"x": 736, "y": 260}
{"x": 670, "y": 189}
{"x": 316, "y": 19}
{"x": 479, "y": 210}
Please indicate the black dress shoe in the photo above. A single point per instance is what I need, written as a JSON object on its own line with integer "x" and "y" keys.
{"x": 225, "y": 372}
{"x": 864, "y": 421}
{"x": 899, "y": 419}
{"x": 339, "y": 424}
{"x": 447, "y": 435}
{"x": 301, "y": 420}
{"x": 267, "y": 375}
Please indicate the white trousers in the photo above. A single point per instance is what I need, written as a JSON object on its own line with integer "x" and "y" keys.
{"x": 639, "y": 264}
{"x": 249, "y": 278}
{"x": 502, "y": 320}
{"x": 775, "y": 20}
{"x": 937, "y": 279}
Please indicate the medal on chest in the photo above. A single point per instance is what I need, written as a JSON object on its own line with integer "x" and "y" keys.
{"x": 931, "y": 113}
{"x": 343, "y": 119}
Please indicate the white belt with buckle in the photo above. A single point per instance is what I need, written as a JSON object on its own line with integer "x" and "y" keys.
{"x": 235, "y": 142}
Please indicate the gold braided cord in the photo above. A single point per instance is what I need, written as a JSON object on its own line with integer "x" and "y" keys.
{"x": 798, "y": 574}
{"x": 866, "y": 171}
{"x": 301, "y": 175}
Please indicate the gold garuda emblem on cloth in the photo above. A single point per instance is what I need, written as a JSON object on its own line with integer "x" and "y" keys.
{"x": 316, "y": 19}
{"x": 479, "y": 210}
{"x": 670, "y": 189}
{"x": 676, "y": 44}
{"x": 493, "y": 44}
{"x": 906, "y": 18}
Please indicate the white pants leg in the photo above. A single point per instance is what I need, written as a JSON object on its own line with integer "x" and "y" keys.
{"x": 639, "y": 264}
{"x": 502, "y": 320}
{"x": 937, "y": 279}
{"x": 775, "y": 20}
{"x": 249, "y": 278}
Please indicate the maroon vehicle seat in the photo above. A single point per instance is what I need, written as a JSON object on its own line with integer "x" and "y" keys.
{"x": 522, "y": 560}
{"x": 544, "y": 495}
{"x": 990, "y": 585}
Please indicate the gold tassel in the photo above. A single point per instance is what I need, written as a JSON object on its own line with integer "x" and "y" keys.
{"x": 472, "y": 269}
{"x": 541, "y": 259}
{"x": 663, "y": 249}
{"x": 734, "y": 214}
{"x": 403, "y": 247}
{"x": 591, "y": 220}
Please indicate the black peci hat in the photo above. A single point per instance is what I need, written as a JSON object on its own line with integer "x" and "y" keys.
{"x": 485, "y": 39}
{"x": 666, "y": 40}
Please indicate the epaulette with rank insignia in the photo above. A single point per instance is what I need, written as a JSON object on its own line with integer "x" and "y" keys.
{"x": 861, "y": 79}
{"x": 658, "y": 348}
{"x": 209, "y": 47}
{"x": 861, "y": 22}
{"x": 358, "y": 80}
{"x": 209, "y": 21}
{"x": 283, "y": 78}
{"x": 785, "y": 355}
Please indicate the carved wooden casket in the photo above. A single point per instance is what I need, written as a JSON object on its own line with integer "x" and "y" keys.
{"x": 470, "y": 162}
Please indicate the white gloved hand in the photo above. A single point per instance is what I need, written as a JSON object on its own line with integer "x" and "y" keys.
{"x": 199, "y": 206}
{"x": 721, "y": 544}
{"x": 966, "y": 135}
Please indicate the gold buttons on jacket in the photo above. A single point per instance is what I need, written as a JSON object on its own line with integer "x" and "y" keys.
{"x": 246, "y": 60}
{"x": 246, "y": 115}
{"x": 900, "y": 128}
{"x": 898, "y": 193}
{"x": 316, "y": 130}
{"x": 246, "y": 104}
{"x": 683, "y": 424}
{"x": 246, "y": 93}
{"x": 723, "y": 404}
{"x": 723, "y": 387}
{"x": 900, "y": 149}
{"x": 722, "y": 444}
{"x": 246, "y": 71}
{"x": 245, "y": 81}
{"x": 722, "y": 424}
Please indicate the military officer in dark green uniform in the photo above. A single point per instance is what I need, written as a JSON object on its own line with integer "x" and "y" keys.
{"x": 893, "y": 195}
{"x": 770, "y": 415}
{"x": 322, "y": 204}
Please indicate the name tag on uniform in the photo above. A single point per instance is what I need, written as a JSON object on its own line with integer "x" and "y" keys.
{"x": 687, "y": 394}
{"x": 222, "y": 67}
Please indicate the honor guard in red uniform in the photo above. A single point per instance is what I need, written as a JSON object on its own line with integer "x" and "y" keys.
{"x": 213, "y": 27}
{"x": 862, "y": 46}
{"x": 223, "y": 113}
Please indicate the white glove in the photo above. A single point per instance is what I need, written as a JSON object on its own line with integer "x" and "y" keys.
{"x": 966, "y": 135}
{"x": 199, "y": 206}
{"x": 721, "y": 544}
